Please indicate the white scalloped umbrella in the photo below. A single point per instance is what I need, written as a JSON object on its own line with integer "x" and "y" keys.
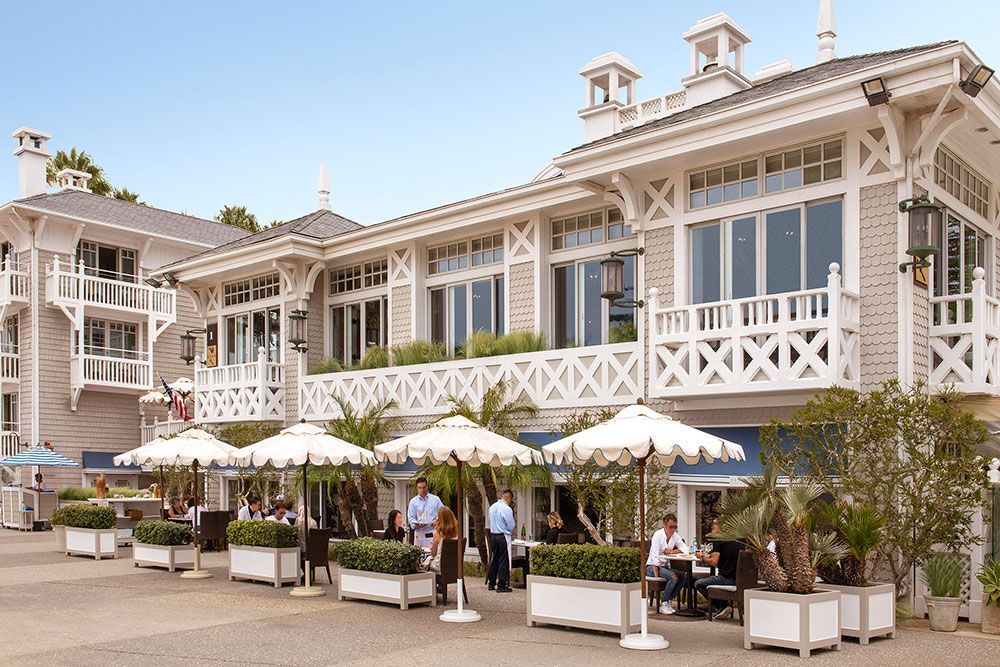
{"x": 638, "y": 434}
{"x": 154, "y": 396}
{"x": 458, "y": 441}
{"x": 183, "y": 385}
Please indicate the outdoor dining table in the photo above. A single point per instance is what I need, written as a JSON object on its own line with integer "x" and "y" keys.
{"x": 522, "y": 563}
{"x": 686, "y": 564}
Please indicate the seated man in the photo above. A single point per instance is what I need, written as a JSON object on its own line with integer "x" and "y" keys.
{"x": 250, "y": 511}
{"x": 666, "y": 541}
{"x": 724, "y": 557}
{"x": 279, "y": 515}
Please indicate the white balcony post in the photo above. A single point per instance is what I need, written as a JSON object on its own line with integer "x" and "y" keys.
{"x": 783, "y": 323}
{"x": 651, "y": 307}
{"x": 261, "y": 380}
{"x": 735, "y": 322}
{"x": 833, "y": 288}
{"x": 978, "y": 327}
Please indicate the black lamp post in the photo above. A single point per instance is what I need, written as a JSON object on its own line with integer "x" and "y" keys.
{"x": 925, "y": 216}
{"x": 613, "y": 279}
{"x": 297, "y": 329}
{"x": 188, "y": 340}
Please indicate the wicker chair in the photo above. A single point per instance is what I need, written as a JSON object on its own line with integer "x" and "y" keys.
{"x": 746, "y": 577}
{"x": 318, "y": 552}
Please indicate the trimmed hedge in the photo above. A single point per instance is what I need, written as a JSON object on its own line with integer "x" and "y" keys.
{"x": 619, "y": 565}
{"x": 270, "y": 534}
{"x": 163, "y": 533}
{"x": 88, "y": 492}
{"x": 85, "y": 516}
{"x": 384, "y": 556}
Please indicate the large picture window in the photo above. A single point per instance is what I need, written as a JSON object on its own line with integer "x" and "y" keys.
{"x": 356, "y": 327}
{"x": 107, "y": 261}
{"x": 104, "y": 338}
{"x": 461, "y": 309}
{"x": 580, "y": 315}
{"x": 247, "y": 332}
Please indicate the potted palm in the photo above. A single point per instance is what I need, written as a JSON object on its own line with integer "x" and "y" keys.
{"x": 867, "y": 609}
{"x": 790, "y": 612}
{"x": 942, "y": 574}
{"x": 989, "y": 577}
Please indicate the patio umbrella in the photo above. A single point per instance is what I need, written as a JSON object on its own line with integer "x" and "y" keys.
{"x": 38, "y": 456}
{"x": 638, "y": 434}
{"x": 457, "y": 441}
{"x": 193, "y": 447}
{"x": 300, "y": 445}
{"x": 154, "y": 396}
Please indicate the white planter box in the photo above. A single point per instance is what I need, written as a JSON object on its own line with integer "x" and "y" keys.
{"x": 591, "y": 605}
{"x": 277, "y": 566}
{"x": 401, "y": 589}
{"x": 158, "y": 555}
{"x": 803, "y": 622}
{"x": 866, "y": 611}
{"x": 91, "y": 542}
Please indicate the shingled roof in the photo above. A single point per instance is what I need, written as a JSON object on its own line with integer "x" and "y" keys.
{"x": 781, "y": 84}
{"x": 141, "y": 218}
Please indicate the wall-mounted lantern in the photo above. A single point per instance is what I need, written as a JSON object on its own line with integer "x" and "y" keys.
{"x": 188, "y": 340}
{"x": 613, "y": 279}
{"x": 925, "y": 216}
{"x": 297, "y": 329}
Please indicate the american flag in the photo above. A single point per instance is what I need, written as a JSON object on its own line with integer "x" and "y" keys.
{"x": 177, "y": 400}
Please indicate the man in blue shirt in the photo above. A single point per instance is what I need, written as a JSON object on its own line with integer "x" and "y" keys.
{"x": 422, "y": 513}
{"x": 501, "y": 519}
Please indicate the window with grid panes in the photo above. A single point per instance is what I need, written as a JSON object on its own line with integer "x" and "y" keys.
{"x": 250, "y": 289}
{"x": 448, "y": 257}
{"x": 578, "y": 230}
{"x": 803, "y": 166}
{"x": 730, "y": 182}
{"x": 346, "y": 279}
{"x": 487, "y": 250}
{"x": 960, "y": 181}
{"x": 376, "y": 273}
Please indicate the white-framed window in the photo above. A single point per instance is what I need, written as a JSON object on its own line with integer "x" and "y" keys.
{"x": 10, "y": 335}
{"x": 376, "y": 273}
{"x": 359, "y": 276}
{"x": 580, "y": 315}
{"x": 961, "y": 181}
{"x": 460, "y": 309}
{"x": 107, "y": 261}
{"x": 728, "y": 182}
{"x": 487, "y": 249}
{"x": 589, "y": 228}
{"x": 246, "y": 332}
{"x": 10, "y": 415}
{"x": 808, "y": 165}
{"x": 476, "y": 252}
{"x": 7, "y": 254}
{"x": 251, "y": 289}
{"x": 963, "y": 248}
{"x": 767, "y": 252}
{"x": 356, "y": 327}
{"x": 107, "y": 338}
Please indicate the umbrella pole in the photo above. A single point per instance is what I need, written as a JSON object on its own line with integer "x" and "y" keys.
{"x": 308, "y": 590}
{"x": 162, "y": 500}
{"x": 197, "y": 572}
{"x": 460, "y": 615}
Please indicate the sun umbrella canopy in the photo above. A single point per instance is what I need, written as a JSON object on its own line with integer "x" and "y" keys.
{"x": 299, "y": 443}
{"x": 637, "y": 432}
{"x": 186, "y": 448}
{"x": 38, "y": 456}
{"x": 183, "y": 385}
{"x": 457, "y": 438}
{"x": 154, "y": 396}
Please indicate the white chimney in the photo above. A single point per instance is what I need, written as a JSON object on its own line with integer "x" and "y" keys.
{"x": 605, "y": 77}
{"x": 31, "y": 160}
{"x": 826, "y": 31}
{"x": 72, "y": 179}
{"x": 716, "y": 59}
{"x": 324, "y": 188}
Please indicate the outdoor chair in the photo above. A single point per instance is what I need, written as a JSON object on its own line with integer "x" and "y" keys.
{"x": 746, "y": 577}
{"x": 569, "y": 538}
{"x": 134, "y": 515}
{"x": 318, "y": 552}
{"x": 213, "y": 527}
{"x": 450, "y": 562}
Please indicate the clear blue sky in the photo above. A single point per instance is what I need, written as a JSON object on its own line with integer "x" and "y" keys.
{"x": 199, "y": 104}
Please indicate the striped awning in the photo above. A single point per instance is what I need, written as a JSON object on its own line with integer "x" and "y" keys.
{"x": 38, "y": 456}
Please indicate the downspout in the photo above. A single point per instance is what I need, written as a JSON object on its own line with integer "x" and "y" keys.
{"x": 35, "y": 356}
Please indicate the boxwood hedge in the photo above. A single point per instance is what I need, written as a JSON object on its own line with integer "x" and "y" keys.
{"x": 84, "y": 516}
{"x": 590, "y": 562}
{"x": 385, "y": 556}
{"x": 163, "y": 533}
{"x": 271, "y": 534}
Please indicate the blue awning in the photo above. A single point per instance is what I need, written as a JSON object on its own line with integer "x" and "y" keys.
{"x": 746, "y": 436}
{"x": 104, "y": 461}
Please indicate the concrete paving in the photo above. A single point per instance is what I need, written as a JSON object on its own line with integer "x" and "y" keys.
{"x": 62, "y": 610}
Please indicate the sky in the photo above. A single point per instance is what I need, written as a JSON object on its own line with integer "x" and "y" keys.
{"x": 196, "y": 105}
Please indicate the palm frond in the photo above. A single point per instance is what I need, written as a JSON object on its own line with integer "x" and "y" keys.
{"x": 826, "y": 548}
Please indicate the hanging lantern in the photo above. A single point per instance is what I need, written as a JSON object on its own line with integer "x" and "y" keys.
{"x": 924, "y": 217}
{"x": 297, "y": 329}
{"x": 612, "y": 278}
{"x": 188, "y": 340}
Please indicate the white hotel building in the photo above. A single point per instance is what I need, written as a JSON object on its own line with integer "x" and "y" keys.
{"x": 764, "y": 207}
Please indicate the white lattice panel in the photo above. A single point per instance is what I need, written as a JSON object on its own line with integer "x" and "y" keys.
{"x": 964, "y": 341}
{"x": 241, "y": 392}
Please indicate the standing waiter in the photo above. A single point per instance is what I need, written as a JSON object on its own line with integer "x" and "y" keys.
{"x": 501, "y": 518}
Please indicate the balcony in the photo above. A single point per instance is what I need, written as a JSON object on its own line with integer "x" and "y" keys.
{"x": 241, "y": 392}
{"x": 15, "y": 285}
{"x": 160, "y": 428}
{"x": 10, "y": 364}
{"x": 576, "y": 378}
{"x": 964, "y": 341}
{"x": 780, "y": 343}
{"x": 110, "y": 369}
{"x": 72, "y": 287}
{"x": 10, "y": 442}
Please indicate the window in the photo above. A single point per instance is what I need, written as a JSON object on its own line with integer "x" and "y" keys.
{"x": 103, "y": 338}
{"x": 803, "y": 166}
{"x": 105, "y": 261}
{"x": 7, "y": 254}
{"x": 360, "y": 276}
{"x": 580, "y": 315}
{"x": 730, "y": 182}
{"x": 355, "y": 327}
{"x": 458, "y": 310}
{"x": 487, "y": 250}
{"x": 10, "y": 335}
{"x": 10, "y": 417}
{"x": 246, "y": 332}
{"x": 589, "y": 228}
{"x": 963, "y": 248}
{"x": 251, "y": 289}
{"x": 376, "y": 273}
{"x": 961, "y": 182}
{"x": 784, "y": 250}
{"x": 451, "y": 257}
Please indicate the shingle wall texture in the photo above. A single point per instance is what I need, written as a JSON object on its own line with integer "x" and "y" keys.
{"x": 402, "y": 324}
{"x": 522, "y": 296}
{"x": 659, "y": 259}
{"x": 878, "y": 270}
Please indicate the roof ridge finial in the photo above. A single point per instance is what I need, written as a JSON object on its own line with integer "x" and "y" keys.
{"x": 826, "y": 31}
{"x": 324, "y": 187}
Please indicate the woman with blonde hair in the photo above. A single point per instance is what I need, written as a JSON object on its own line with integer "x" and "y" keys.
{"x": 555, "y": 526}
{"x": 445, "y": 528}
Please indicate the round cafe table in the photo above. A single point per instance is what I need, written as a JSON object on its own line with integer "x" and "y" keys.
{"x": 685, "y": 563}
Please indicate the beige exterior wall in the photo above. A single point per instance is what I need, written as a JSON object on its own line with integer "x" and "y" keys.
{"x": 521, "y": 302}
{"x": 879, "y": 271}
{"x": 401, "y": 304}
{"x": 659, "y": 263}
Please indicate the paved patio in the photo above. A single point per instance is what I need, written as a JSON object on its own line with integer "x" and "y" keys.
{"x": 59, "y": 610}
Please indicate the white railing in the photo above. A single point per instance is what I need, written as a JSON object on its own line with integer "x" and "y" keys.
{"x": 10, "y": 443}
{"x": 795, "y": 341}
{"x": 14, "y": 282}
{"x": 240, "y": 392}
{"x": 964, "y": 340}
{"x": 580, "y": 377}
{"x": 637, "y": 114}
{"x": 10, "y": 365}
{"x": 159, "y": 428}
{"x": 67, "y": 284}
{"x": 132, "y": 372}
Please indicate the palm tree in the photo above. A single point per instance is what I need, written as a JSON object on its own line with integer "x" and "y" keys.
{"x": 126, "y": 195}
{"x": 80, "y": 161}
{"x": 238, "y": 216}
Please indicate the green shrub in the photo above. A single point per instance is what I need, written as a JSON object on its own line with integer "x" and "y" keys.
{"x": 623, "y": 333}
{"x": 163, "y": 533}
{"x": 480, "y": 344}
{"x": 269, "y": 534}
{"x": 418, "y": 352}
{"x": 519, "y": 342}
{"x": 375, "y": 357}
{"x": 989, "y": 577}
{"x": 385, "y": 556}
{"x": 589, "y": 562}
{"x": 328, "y": 365}
{"x": 942, "y": 574}
{"x": 88, "y": 492}
{"x": 84, "y": 516}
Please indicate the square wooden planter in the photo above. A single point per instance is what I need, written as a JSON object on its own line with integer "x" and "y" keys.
{"x": 590, "y": 605}
{"x": 97, "y": 543}
{"x": 171, "y": 557}
{"x": 276, "y": 566}
{"x": 866, "y": 611}
{"x": 803, "y": 622}
{"x": 401, "y": 589}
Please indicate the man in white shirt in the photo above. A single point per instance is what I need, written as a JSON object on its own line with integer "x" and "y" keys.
{"x": 250, "y": 511}
{"x": 279, "y": 515}
{"x": 422, "y": 513}
{"x": 666, "y": 541}
{"x": 196, "y": 506}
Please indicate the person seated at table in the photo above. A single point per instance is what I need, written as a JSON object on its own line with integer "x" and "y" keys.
{"x": 724, "y": 557}
{"x": 666, "y": 542}
{"x": 195, "y": 508}
{"x": 445, "y": 528}
{"x": 394, "y": 527}
{"x": 250, "y": 511}
{"x": 39, "y": 483}
{"x": 279, "y": 514}
{"x": 301, "y": 522}
{"x": 551, "y": 535}
{"x": 177, "y": 510}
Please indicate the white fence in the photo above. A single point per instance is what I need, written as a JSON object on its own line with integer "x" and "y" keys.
{"x": 803, "y": 340}
{"x": 10, "y": 366}
{"x": 642, "y": 112}
{"x": 964, "y": 338}
{"x": 240, "y": 392}
{"x": 14, "y": 282}
{"x": 10, "y": 443}
{"x": 133, "y": 372}
{"x": 159, "y": 428}
{"x": 71, "y": 285}
{"x": 580, "y": 377}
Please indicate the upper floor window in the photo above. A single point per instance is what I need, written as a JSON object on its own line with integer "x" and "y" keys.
{"x": 963, "y": 248}
{"x": 104, "y": 338}
{"x": 589, "y": 228}
{"x": 580, "y": 315}
{"x": 7, "y": 254}
{"x": 360, "y": 276}
{"x": 107, "y": 261}
{"x": 803, "y": 166}
{"x": 356, "y": 327}
{"x": 10, "y": 416}
{"x": 730, "y": 182}
{"x": 487, "y": 250}
{"x": 246, "y": 333}
{"x": 461, "y": 309}
{"x": 251, "y": 289}
{"x": 961, "y": 182}
{"x": 456, "y": 256}
{"x": 10, "y": 335}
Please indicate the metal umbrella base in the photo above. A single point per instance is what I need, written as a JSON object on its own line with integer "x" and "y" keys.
{"x": 308, "y": 590}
